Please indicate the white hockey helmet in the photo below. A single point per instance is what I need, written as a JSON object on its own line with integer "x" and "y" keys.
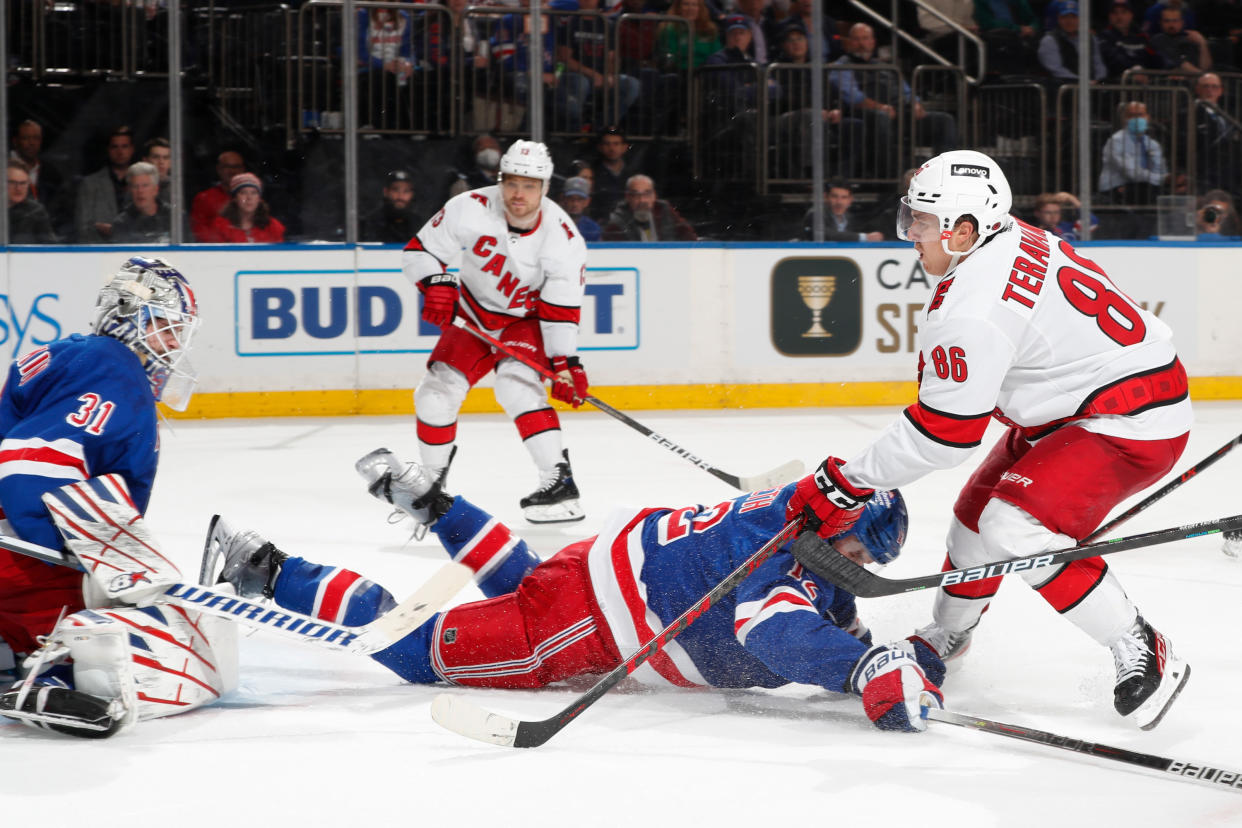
{"x": 952, "y": 185}
{"x": 151, "y": 296}
{"x": 529, "y": 159}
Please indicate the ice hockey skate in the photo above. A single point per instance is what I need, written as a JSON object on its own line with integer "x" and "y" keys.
{"x": 408, "y": 486}
{"x": 948, "y": 645}
{"x": 251, "y": 563}
{"x": 1149, "y": 675}
{"x": 556, "y": 499}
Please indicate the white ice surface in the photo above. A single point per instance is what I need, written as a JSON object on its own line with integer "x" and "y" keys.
{"x": 315, "y": 738}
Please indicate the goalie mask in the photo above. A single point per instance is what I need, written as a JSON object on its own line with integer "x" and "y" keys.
{"x": 149, "y": 306}
{"x": 948, "y": 187}
{"x": 882, "y": 526}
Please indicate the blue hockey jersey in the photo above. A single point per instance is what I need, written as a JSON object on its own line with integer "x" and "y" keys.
{"x": 77, "y": 408}
{"x": 782, "y": 624}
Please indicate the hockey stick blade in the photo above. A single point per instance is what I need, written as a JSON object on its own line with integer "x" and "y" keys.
{"x": 468, "y": 719}
{"x": 823, "y": 560}
{"x": 380, "y": 634}
{"x": 775, "y": 478}
{"x": 1181, "y": 768}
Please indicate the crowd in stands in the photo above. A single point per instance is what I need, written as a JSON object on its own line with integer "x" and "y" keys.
{"x": 597, "y": 74}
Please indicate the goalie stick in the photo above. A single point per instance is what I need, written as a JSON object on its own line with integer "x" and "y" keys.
{"x": 823, "y": 560}
{"x": 460, "y": 715}
{"x": 380, "y": 634}
{"x": 775, "y": 478}
{"x": 1182, "y": 768}
{"x": 1165, "y": 489}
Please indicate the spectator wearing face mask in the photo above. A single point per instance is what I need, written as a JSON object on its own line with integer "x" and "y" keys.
{"x": 1133, "y": 164}
{"x": 485, "y": 160}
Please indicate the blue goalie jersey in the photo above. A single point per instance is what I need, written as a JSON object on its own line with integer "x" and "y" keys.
{"x": 77, "y": 408}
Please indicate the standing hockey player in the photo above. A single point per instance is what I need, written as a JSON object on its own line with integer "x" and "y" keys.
{"x": 598, "y": 600}
{"x": 83, "y": 409}
{"x": 1024, "y": 328}
{"x": 522, "y": 271}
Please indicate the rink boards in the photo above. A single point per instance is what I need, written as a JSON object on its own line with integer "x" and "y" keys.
{"x": 335, "y": 329}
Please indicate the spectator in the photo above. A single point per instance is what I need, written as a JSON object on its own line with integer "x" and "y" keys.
{"x": 1132, "y": 171}
{"x": 611, "y": 171}
{"x": 29, "y": 222}
{"x": 485, "y": 161}
{"x": 47, "y": 183}
{"x": 433, "y": 34}
{"x": 1180, "y": 48}
{"x": 385, "y": 65}
{"x": 208, "y": 204}
{"x": 751, "y": 12}
{"x": 1216, "y": 219}
{"x": 1151, "y": 17}
{"x": 580, "y": 168}
{"x": 841, "y": 223}
{"x": 511, "y": 44}
{"x": 1010, "y": 33}
{"x": 1058, "y": 50}
{"x": 1052, "y": 214}
{"x": 158, "y": 153}
{"x": 576, "y": 198}
{"x": 734, "y": 92}
{"x": 146, "y": 219}
{"x": 833, "y": 48}
{"x": 102, "y": 193}
{"x": 875, "y": 95}
{"x": 644, "y": 217}
{"x": 794, "y": 114}
{"x": 681, "y": 49}
{"x": 1218, "y": 137}
{"x": 246, "y": 218}
{"x": 636, "y": 39}
{"x": 393, "y": 221}
{"x": 590, "y": 67}
{"x": 1122, "y": 45}
{"x": 937, "y": 32}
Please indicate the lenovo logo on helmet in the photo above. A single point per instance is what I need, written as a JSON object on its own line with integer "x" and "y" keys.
{"x": 972, "y": 170}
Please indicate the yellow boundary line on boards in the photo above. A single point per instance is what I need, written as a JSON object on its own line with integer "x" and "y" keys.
{"x": 341, "y": 403}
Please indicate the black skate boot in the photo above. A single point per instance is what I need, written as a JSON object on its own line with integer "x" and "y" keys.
{"x": 1149, "y": 675}
{"x": 556, "y": 499}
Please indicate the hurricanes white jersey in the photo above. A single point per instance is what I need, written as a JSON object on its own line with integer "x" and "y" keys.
{"x": 506, "y": 274}
{"x": 1030, "y": 331}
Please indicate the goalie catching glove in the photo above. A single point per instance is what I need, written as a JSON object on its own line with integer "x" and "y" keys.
{"x": 571, "y": 383}
{"x": 440, "y": 294}
{"x": 830, "y": 503}
{"x": 895, "y": 688}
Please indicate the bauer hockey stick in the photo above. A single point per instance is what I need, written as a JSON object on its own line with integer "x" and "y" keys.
{"x": 823, "y": 560}
{"x": 778, "y": 476}
{"x": 380, "y": 634}
{"x": 460, "y": 715}
{"x": 1165, "y": 489}
{"x": 1182, "y": 768}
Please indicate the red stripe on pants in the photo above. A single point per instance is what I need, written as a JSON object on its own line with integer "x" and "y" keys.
{"x": 536, "y": 422}
{"x": 1073, "y": 583}
{"x": 436, "y": 435}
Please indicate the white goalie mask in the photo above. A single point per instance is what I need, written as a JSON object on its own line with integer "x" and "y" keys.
{"x": 529, "y": 159}
{"x": 948, "y": 187}
{"x": 149, "y": 306}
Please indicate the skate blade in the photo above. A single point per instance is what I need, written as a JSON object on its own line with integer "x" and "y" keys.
{"x": 567, "y": 511}
{"x": 1151, "y": 712}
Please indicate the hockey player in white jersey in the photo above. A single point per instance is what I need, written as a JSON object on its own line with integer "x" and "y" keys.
{"x": 521, "y": 276}
{"x": 1023, "y": 328}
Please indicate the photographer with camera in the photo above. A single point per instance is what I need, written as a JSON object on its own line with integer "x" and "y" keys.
{"x": 1216, "y": 218}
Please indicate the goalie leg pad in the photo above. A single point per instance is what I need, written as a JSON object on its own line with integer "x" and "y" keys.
{"x": 104, "y": 530}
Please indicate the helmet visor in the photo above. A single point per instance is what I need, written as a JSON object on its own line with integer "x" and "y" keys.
{"x": 916, "y": 226}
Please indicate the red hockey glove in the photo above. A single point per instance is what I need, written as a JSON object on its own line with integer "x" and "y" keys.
{"x": 570, "y": 385}
{"x": 894, "y": 689}
{"x": 830, "y": 502}
{"x": 439, "y": 299}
